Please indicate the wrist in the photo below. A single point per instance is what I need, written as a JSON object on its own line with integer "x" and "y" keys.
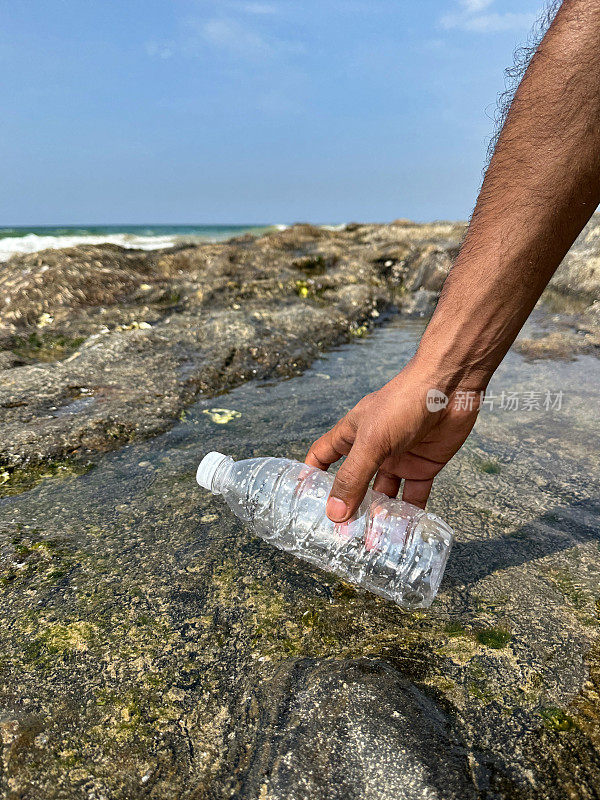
{"x": 451, "y": 359}
{"x": 470, "y": 332}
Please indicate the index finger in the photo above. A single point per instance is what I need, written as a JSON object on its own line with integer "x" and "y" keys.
{"x": 330, "y": 447}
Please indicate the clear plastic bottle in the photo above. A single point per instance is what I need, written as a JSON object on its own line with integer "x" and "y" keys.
{"x": 389, "y": 547}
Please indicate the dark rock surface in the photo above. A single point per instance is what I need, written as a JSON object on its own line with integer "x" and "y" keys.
{"x": 358, "y": 727}
{"x": 151, "y": 648}
{"x": 134, "y": 337}
{"x": 100, "y": 345}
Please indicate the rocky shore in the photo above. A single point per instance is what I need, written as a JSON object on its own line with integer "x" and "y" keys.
{"x": 101, "y": 346}
{"x": 151, "y": 647}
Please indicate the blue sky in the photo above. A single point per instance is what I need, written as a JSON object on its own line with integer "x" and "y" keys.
{"x": 207, "y": 111}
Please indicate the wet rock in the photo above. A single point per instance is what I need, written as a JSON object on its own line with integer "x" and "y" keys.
{"x": 593, "y": 313}
{"x": 580, "y": 271}
{"x": 46, "y": 282}
{"x": 143, "y": 334}
{"x": 419, "y": 304}
{"x": 389, "y": 738}
{"x": 563, "y": 344}
{"x": 430, "y": 267}
{"x": 150, "y": 646}
{"x": 8, "y": 360}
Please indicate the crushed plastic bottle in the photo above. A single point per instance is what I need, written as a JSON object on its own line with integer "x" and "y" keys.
{"x": 389, "y": 547}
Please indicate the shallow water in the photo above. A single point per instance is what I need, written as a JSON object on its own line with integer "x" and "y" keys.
{"x": 508, "y": 638}
{"x": 279, "y": 417}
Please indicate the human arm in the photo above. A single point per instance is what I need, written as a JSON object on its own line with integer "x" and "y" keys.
{"x": 541, "y": 187}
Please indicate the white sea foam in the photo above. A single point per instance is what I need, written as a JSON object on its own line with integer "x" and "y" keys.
{"x": 142, "y": 239}
{"x": 32, "y": 242}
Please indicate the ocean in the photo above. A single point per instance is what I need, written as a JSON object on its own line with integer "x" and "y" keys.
{"x": 146, "y": 237}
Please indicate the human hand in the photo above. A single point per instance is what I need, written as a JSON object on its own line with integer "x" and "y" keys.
{"x": 392, "y": 434}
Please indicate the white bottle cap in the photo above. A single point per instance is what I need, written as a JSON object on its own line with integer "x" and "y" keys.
{"x": 207, "y": 468}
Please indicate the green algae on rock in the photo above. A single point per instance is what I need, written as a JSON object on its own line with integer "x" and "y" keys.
{"x": 151, "y": 647}
{"x": 496, "y": 638}
{"x": 14, "y": 480}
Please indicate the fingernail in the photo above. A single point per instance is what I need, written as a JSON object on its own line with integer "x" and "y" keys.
{"x": 336, "y": 509}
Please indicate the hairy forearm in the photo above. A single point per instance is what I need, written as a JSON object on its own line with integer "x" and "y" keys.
{"x": 541, "y": 187}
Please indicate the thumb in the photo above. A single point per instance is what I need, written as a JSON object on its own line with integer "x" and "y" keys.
{"x": 353, "y": 477}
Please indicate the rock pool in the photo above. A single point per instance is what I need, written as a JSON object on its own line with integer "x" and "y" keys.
{"x": 151, "y": 647}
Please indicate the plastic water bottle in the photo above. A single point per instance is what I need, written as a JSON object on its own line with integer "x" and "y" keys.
{"x": 389, "y": 547}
